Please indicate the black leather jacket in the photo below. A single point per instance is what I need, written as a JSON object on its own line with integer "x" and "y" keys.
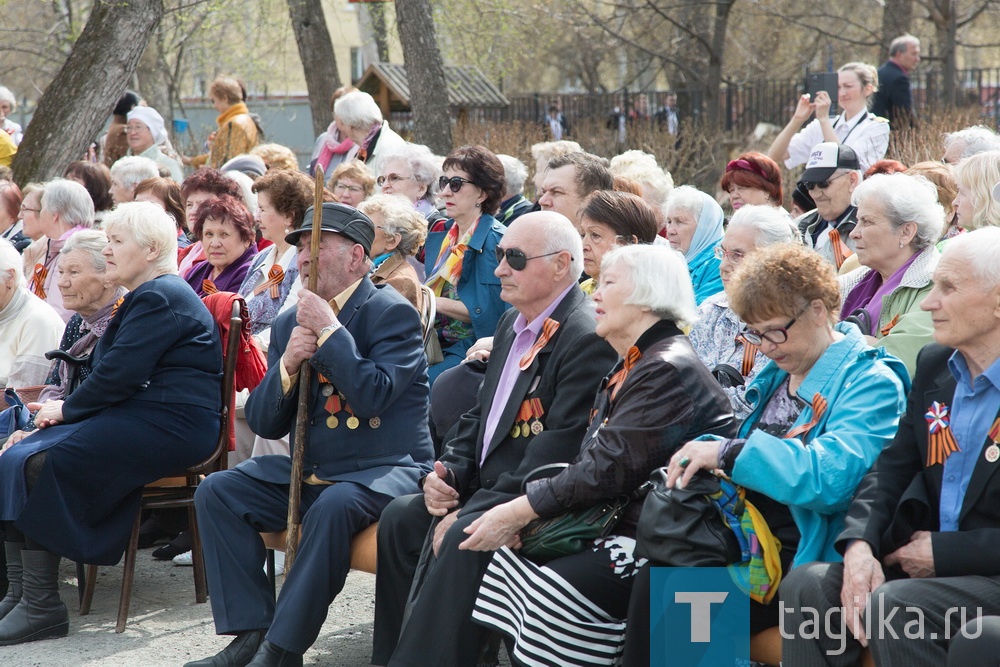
{"x": 667, "y": 399}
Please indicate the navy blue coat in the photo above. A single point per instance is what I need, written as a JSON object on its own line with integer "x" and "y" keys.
{"x": 149, "y": 408}
{"x": 376, "y": 360}
{"x": 894, "y": 99}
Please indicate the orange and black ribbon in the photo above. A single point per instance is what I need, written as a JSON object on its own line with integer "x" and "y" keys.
{"x": 114, "y": 308}
{"x": 274, "y": 279}
{"x": 941, "y": 441}
{"x": 616, "y": 381}
{"x": 840, "y": 250}
{"x": 548, "y": 330}
{"x": 819, "y": 406}
{"x": 887, "y": 328}
{"x": 208, "y": 287}
{"x": 38, "y": 280}
{"x": 749, "y": 355}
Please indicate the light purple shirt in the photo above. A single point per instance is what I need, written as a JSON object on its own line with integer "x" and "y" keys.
{"x": 525, "y": 335}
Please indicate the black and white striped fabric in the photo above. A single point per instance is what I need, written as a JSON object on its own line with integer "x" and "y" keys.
{"x": 552, "y": 623}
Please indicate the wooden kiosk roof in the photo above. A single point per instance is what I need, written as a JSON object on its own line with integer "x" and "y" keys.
{"x": 467, "y": 88}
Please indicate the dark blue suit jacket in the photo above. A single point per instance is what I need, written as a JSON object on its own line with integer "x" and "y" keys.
{"x": 376, "y": 360}
{"x": 894, "y": 99}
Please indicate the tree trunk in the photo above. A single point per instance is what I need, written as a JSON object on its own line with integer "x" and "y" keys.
{"x": 380, "y": 33}
{"x": 425, "y": 74}
{"x": 80, "y": 98}
{"x": 318, "y": 59}
{"x": 716, "y": 56}
{"x": 897, "y": 19}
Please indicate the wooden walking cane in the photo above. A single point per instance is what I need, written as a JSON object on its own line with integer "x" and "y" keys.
{"x": 305, "y": 378}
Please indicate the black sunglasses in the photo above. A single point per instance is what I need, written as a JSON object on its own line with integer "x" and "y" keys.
{"x": 516, "y": 259}
{"x": 455, "y": 183}
{"x": 822, "y": 185}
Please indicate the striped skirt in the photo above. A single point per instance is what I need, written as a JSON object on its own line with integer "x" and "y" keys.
{"x": 569, "y": 612}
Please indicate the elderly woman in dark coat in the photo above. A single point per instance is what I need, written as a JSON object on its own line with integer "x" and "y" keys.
{"x": 657, "y": 395}
{"x": 149, "y": 407}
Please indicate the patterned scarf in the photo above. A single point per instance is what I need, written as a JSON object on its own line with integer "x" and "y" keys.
{"x": 448, "y": 269}
{"x": 759, "y": 573}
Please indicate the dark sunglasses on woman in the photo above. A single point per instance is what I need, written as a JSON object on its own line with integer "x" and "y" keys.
{"x": 455, "y": 183}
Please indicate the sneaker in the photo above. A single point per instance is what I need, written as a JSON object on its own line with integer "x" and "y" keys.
{"x": 279, "y": 564}
{"x": 183, "y": 559}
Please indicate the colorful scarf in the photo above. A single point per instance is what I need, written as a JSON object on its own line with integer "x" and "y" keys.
{"x": 448, "y": 267}
{"x": 759, "y": 572}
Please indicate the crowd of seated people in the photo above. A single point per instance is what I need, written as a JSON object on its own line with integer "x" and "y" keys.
{"x": 838, "y": 368}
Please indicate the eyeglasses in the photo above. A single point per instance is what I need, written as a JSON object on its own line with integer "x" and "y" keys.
{"x": 516, "y": 259}
{"x": 33, "y": 210}
{"x": 455, "y": 183}
{"x": 735, "y": 256}
{"x": 822, "y": 185}
{"x": 135, "y": 128}
{"x": 393, "y": 179}
{"x": 349, "y": 188}
{"x": 776, "y": 336}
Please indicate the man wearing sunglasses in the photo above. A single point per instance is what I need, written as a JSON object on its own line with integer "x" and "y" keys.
{"x": 532, "y": 410}
{"x": 832, "y": 173}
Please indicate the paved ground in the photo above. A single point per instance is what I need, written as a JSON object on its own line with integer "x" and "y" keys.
{"x": 167, "y": 627}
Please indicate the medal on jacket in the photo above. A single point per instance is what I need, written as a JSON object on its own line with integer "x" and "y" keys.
{"x": 537, "y": 412}
{"x": 374, "y": 422}
{"x": 523, "y": 415}
{"x": 941, "y": 441}
{"x": 352, "y": 422}
{"x": 992, "y": 453}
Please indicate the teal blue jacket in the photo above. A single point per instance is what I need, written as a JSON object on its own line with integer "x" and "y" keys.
{"x": 815, "y": 475}
{"x": 705, "y": 277}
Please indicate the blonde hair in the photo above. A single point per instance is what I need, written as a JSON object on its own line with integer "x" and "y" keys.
{"x": 867, "y": 75}
{"x": 398, "y": 219}
{"x": 226, "y": 88}
{"x": 980, "y": 173}
{"x": 276, "y": 156}
{"x": 553, "y": 149}
{"x": 641, "y": 167}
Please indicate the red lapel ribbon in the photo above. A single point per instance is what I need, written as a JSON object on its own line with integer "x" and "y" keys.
{"x": 274, "y": 279}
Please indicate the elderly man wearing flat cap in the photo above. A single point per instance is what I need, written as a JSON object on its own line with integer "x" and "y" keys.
{"x": 368, "y": 442}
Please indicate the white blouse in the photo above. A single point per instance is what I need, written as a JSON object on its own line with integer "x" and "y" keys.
{"x": 866, "y": 133}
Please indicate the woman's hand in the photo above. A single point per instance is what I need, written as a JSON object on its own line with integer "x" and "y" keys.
{"x": 803, "y": 109}
{"x": 49, "y": 413}
{"x": 693, "y": 456}
{"x": 822, "y": 105}
{"x": 480, "y": 350}
{"x": 499, "y": 527}
{"x": 15, "y": 437}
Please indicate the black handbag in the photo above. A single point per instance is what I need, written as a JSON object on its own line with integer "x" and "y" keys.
{"x": 15, "y": 417}
{"x": 547, "y": 538}
{"x": 685, "y": 527}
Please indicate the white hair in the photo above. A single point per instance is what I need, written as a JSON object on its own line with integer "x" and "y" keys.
{"x": 905, "y": 199}
{"x": 770, "y": 224}
{"x": 553, "y": 149}
{"x": 133, "y": 169}
{"x": 642, "y": 168}
{"x": 70, "y": 200}
{"x": 902, "y": 43}
{"x": 975, "y": 139}
{"x": 246, "y": 189}
{"x": 660, "y": 280}
{"x": 687, "y": 198}
{"x": 981, "y": 247}
{"x": 7, "y": 96}
{"x": 398, "y": 218}
{"x": 10, "y": 260}
{"x": 92, "y": 242}
{"x": 423, "y": 164}
{"x": 149, "y": 226}
{"x": 561, "y": 234}
{"x": 515, "y": 172}
{"x": 357, "y": 110}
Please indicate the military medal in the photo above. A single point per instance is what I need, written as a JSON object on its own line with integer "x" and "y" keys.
{"x": 515, "y": 431}
{"x": 525, "y": 430}
{"x": 332, "y": 421}
{"x": 993, "y": 451}
{"x": 326, "y": 390}
{"x": 941, "y": 441}
{"x": 374, "y": 422}
{"x": 353, "y": 422}
{"x": 523, "y": 415}
{"x": 537, "y": 412}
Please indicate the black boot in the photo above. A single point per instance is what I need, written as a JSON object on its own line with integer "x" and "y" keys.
{"x": 13, "y": 553}
{"x": 239, "y": 653}
{"x": 270, "y": 655}
{"x": 40, "y": 614}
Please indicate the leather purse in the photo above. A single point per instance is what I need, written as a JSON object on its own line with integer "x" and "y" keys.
{"x": 547, "y": 538}
{"x": 685, "y": 527}
{"x": 15, "y": 416}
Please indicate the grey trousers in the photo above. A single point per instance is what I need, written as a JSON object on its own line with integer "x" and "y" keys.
{"x": 910, "y": 621}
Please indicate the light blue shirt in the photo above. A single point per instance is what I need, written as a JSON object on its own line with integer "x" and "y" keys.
{"x": 972, "y": 412}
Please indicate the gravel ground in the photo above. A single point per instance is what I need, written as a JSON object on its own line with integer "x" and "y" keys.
{"x": 166, "y": 627}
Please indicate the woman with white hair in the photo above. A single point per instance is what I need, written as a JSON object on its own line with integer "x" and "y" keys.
{"x": 656, "y": 183}
{"x": 149, "y": 407}
{"x": 413, "y": 171}
{"x": 127, "y": 173}
{"x": 29, "y": 327}
{"x": 358, "y": 118}
{"x": 694, "y": 228}
{"x": 66, "y": 209}
{"x": 399, "y": 233}
{"x": 145, "y": 132}
{"x": 656, "y": 397}
{"x": 717, "y": 335}
{"x": 514, "y": 203}
{"x": 8, "y": 105}
{"x": 899, "y": 222}
{"x": 976, "y": 176}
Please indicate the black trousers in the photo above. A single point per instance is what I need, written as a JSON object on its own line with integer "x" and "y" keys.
{"x": 440, "y": 630}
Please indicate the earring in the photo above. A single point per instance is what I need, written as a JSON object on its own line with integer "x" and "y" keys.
{"x": 900, "y": 245}
{"x": 478, "y": 205}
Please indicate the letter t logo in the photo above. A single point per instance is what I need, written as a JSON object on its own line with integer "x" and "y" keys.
{"x": 701, "y": 608}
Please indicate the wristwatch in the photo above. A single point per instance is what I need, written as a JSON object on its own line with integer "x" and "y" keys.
{"x": 329, "y": 329}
